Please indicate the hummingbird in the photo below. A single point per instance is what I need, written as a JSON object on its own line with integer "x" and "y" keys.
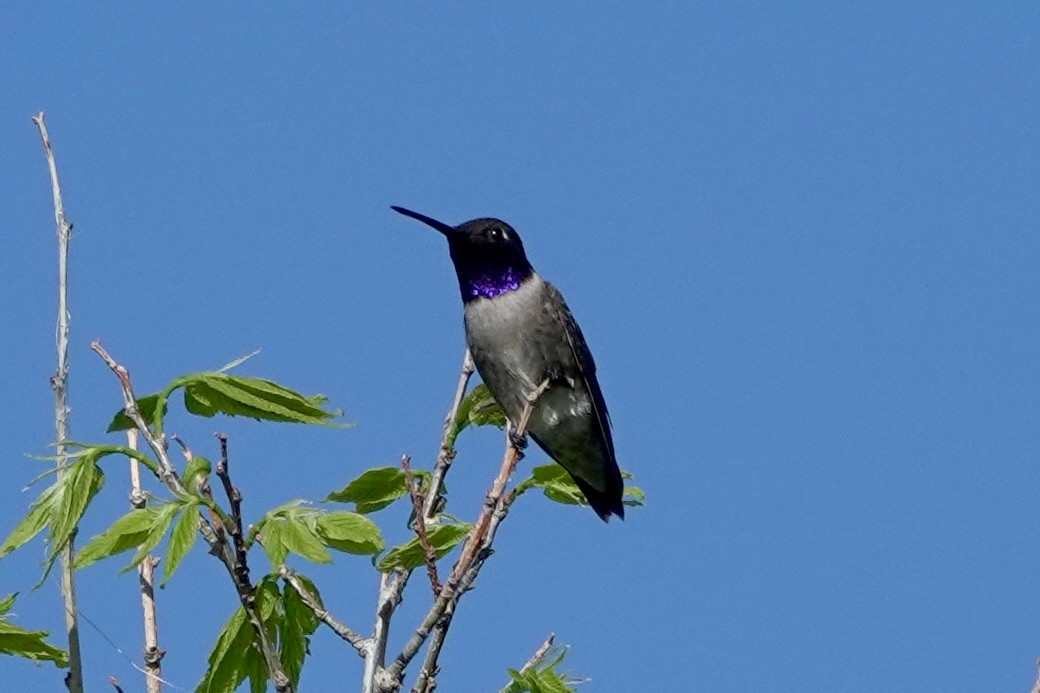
{"x": 522, "y": 335}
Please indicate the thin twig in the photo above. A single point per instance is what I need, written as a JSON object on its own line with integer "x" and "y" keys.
{"x": 391, "y": 585}
{"x": 59, "y": 383}
{"x": 475, "y": 551}
{"x": 356, "y": 640}
{"x": 146, "y": 570}
{"x": 446, "y": 454}
{"x": 539, "y": 654}
{"x": 218, "y": 544}
{"x": 429, "y": 555}
{"x": 535, "y": 659}
{"x": 234, "y": 497}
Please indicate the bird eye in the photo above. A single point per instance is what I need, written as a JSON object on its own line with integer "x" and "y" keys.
{"x": 496, "y": 234}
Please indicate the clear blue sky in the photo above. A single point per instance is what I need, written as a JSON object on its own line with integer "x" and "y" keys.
{"x": 802, "y": 241}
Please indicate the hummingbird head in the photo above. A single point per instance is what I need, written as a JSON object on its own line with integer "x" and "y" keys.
{"x": 488, "y": 255}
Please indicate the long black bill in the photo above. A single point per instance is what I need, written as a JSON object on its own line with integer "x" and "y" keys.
{"x": 439, "y": 225}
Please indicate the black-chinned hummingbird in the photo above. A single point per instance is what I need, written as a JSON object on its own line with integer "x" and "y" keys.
{"x": 521, "y": 334}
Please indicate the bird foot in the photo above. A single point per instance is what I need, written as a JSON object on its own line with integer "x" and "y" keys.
{"x": 517, "y": 441}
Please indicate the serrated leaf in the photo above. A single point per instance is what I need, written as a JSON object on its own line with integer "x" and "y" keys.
{"x": 271, "y": 540}
{"x": 478, "y": 408}
{"x": 161, "y": 523}
{"x": 234, "y": 656}
{"x": 197, "y": 469}
{"x": 27, "y": 643}
{"x": 128, "y": 532}
{"x": 82, "y": 481}
{"x": 634, "y": 496}
{"x": 39, "y": 516}
{"x": 208, "y": 393}
{"x": 302, "y": 540}
{"x": 543, "y": 677}
{"x": 227, "y": 659}
{"x": 292, "y": 527}
{"x": 372, "y": 490}
{"x": 297, "y": 625}
{"x": 443, "y": 538}
{"x": 146, "y": 405}
{"x": 182, "y": 539}
{"x": 557, "y": 484}
{"x": 349, "y": 532}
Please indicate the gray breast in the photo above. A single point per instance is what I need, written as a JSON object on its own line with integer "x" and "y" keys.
{"x": 516, "y": 343}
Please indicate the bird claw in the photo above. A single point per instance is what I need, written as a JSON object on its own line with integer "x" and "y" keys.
{"x": 517, "y": 441}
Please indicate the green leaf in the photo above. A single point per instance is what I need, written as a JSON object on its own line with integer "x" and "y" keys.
{"x": 301, "y": 539}
{"x": 556, "y": 484}
{"x": 349, "y": 532}
{"x": 197, "y": 469}
{"x": 161, "y": 523}
{"x": 227, "y": 659}
{"x": 544, "y": 677}
{"x": 32, "y": 524}
{"x": 125, "y": 533}
{"x": 27, "y": 643}
{"x": 271, "y": 539}
{"x": 146, "y": 405}
{"x": 292, "y": 527}
{"x": 634, "y": 496}
{"x": 208, "y": 393}
{"x": 81, "y": 482}
{"x": 373, "y": 490}
{"x": 478, "y": 408}
{"x": 443, "y": 538}
{"x": 297, "y": 625}
{"x": 234, "y": 656}
{"x": 182, "y": 539}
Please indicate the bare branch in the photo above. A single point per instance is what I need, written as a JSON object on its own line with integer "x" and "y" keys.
{"x": 356, "y": 640}
{"x": 447, "y": 450}
{"x": 59, "y": 384}
{"x": 391, "y": 586}
{"x": 539, "y": 654}
{"x": 429, "y": 555}
{"x": 146, "y": 570}
{"x": 475, "y": 551}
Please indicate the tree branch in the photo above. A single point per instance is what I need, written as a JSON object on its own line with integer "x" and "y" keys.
{"x": 429, "y": 555}
{"x": 152, "y": 654}
{"x": 59, "y": 383}
{"x": 474, "y": 553}
{"x": 391, "y": 585}
{"x": 434, "y": 496}
{"x": 217, "y": 541}
{"x": 356, "y": 640}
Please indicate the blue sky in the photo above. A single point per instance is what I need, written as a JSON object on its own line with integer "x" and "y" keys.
{"x": 801, "y": 241}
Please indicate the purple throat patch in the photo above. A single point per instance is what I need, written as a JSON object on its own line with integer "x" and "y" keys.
{"x": 491, "y": 284}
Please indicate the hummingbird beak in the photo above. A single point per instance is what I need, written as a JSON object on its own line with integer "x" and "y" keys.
{"x": 439, "y": 225}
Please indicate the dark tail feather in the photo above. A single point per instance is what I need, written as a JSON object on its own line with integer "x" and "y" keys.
{"x": 604, "y": 503}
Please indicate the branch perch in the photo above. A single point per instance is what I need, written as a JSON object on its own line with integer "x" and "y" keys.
{"x": 474, "y": 553}
{"x": 391, "y": 585}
